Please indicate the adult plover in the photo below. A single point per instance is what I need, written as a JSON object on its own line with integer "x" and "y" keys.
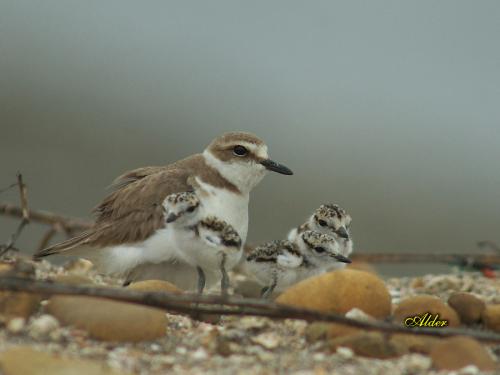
{"x": 131, "y": 230}
{"x": 278, "y": 264}
{"x": 328, "y": 219}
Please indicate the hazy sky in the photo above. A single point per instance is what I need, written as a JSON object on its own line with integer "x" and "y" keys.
{"x": 390, "y": 108}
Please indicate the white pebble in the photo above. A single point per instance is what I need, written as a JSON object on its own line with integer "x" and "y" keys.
{"x": 200, "y": 354}
{"x": 16, "y": 325}
{"x": 43, "y": 325}
{"x": 469, "y": 370}
{"x": 344, "y": 352}
{"x": 417, "y": 363}
{"x": 181, "y": 350}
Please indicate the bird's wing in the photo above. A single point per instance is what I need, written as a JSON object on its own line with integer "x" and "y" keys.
{"x": 289, "y": 259}
{"x": 134, "y": 175}
{"x": 282, "y": 253}
{"x": 289, "y": 256}
{"x": 131, "y": 213}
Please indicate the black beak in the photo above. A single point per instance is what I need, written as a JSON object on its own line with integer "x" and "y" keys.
{"x": 276, "y": 167}
{"x": 342, "y": 232}
{"x": 171, "y": 217}
{"x": 342, "y": 258}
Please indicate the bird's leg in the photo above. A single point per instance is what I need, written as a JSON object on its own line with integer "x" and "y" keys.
{"x": 224, "y": 282}
{"x": 268, "y": 290}
{"x": 201, "y": 280}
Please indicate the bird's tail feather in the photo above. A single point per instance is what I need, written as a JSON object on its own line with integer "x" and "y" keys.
{"x": 63, "y": 247}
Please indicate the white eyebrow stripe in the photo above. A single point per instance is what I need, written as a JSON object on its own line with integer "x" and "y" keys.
{"x": 258, "y": 150}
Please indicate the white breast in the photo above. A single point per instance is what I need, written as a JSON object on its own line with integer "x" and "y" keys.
{"x": 226, "y": 205}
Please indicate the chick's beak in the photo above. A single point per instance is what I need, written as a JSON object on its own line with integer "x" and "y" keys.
{"x": 342, "y": 258}
{"x": 342, "y": 232}
{"x": 171, "y": 217}
{"x": 276, "y": 167}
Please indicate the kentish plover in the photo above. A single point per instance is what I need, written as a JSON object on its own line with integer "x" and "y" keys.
{"x": 131, "y": 231}
{"x": 278, "y": 264}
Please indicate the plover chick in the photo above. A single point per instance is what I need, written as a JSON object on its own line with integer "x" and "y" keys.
{"x": 328, "y": 219}
{"x": 182, "y": 209}
{"x": 131, "y": 231}
{"x": 220, "y": 249}
{"x": 278, "y": 264}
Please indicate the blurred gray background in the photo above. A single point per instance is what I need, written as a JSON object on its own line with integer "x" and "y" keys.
{"x": 389, "y": 108}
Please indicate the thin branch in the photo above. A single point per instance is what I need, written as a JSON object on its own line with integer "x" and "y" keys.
{"x": 23, "y": 192}
{"x": 8, "y": 187}
{"x": 190, "y": 304}
{"x": 489, "y": 244}
{"x": 427, "y": 258}
{"x": 45, "y": 241}
{"x": 45, "y": 217}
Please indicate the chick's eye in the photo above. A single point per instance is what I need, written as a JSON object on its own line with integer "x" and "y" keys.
{"x": 240, "y": 150}
{"x": 319, "y": 249}
{"x": 322, "y": 223}
{"x": 191, "y": 209}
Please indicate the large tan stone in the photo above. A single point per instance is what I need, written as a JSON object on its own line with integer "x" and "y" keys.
{"x": 422, "y": 304}
{"x": 458, "y": 352}
{"x": 154, "y": 286}
{"x": 415, "y": 343}
{"x": 491, "y": 317}
{"x": 340, "y": 291}
{"x": 23, "y": 360}
{"x": 74, "y": 279}
{"x": 468, "y": 307}
{"x": 19, "y": 304}
{"x": 369, "y": 344}
{"x": 109, "y": 320}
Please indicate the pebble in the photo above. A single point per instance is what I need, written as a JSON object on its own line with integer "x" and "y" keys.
{"x": 457, "y": 352}
{"x": 74, "y": 279}
{"x": 443, "y": 282}
{"x": 468, "y": 307}
{"x": 19, "y": 304}
{"x": 415, "y": 343}
{"x": 268, "y": 340}
{"x": 340, "y": 291}
{"x": 370, "y": 344}
{"x": 78, "y": 266}
{"x": 42, "y": 326}
{"x": 491, "y": 317}
{"x": 417, "y": 363}
{"x": 109, "y": 320}
{"x": 154, "y": 286}
{"x": 345, "y": 353}
{"x": 23, "y": 360}
{"x": 199, "y": 355}
{"x": 16, "y": 325}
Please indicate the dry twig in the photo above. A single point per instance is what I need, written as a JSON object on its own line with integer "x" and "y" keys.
{"x": 65, "y": 223}
{"x": 195, "y": 304}
{"x": 490, "y": 245}
{"x": 427, "y": 258}
{"x": 25, "y": 216}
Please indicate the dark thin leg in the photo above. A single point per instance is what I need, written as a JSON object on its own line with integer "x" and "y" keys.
{"x": 201, "y": 280}
{"x": 224, "y": 282}
{"x": 268, "y": 290}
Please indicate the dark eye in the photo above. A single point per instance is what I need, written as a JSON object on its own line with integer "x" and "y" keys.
{"x": 191, "y": 209}
{"x": 240, "y": 150}
{"x": 319, "y": 249}
{"x": 322, "y": 223}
